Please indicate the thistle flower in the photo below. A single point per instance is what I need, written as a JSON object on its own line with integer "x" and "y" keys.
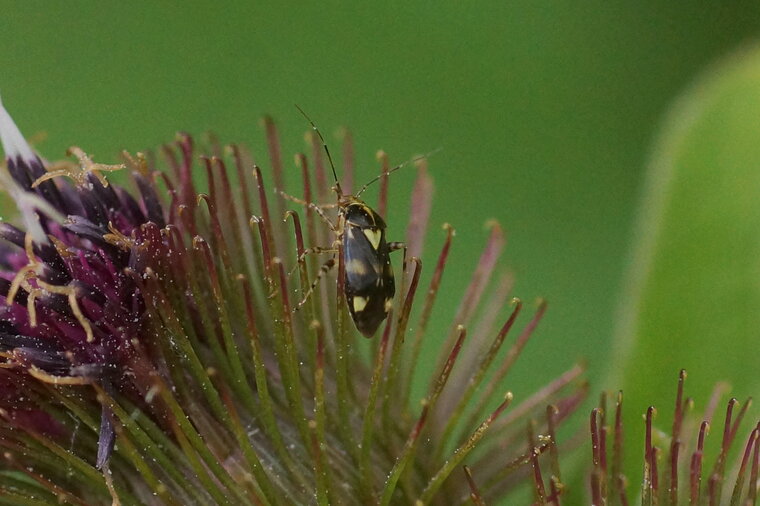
{"x": 150, "y": 350}
{"x": 675, "y": 468}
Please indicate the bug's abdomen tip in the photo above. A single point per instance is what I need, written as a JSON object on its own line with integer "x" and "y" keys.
{"x": 368, "y": 312}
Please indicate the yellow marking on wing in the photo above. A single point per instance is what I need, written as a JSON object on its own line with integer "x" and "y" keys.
{"x": 374, "y": 235}
{"x": 360, "y": 303}
{"x": 356, "y": 267}
{"x": 388, "y": 304}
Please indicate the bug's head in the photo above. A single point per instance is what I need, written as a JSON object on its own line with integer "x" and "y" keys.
{"x": 346, "y": 201}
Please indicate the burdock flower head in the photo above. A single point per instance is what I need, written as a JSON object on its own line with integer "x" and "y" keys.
{"x": 182, "y": 340}
{"x": 677, "y": 466}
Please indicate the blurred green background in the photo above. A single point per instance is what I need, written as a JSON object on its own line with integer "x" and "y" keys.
{"x": 546, "y": 113}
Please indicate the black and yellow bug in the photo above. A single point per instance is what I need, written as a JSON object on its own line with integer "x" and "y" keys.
{"x": 369, "y": 284}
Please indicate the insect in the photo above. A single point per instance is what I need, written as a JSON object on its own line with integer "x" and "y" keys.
{"x": 369, "y": 284}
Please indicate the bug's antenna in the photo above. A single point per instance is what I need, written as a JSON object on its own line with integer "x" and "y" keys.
{"x": 397, "y": 167}
{"x": 327, "y": 150}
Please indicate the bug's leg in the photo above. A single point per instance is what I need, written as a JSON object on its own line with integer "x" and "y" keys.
{"x": 291, "y": 198}
{"x": 393, "y": 246}
{"x": 326, "y": 267}
{"x": 317, "y": 209}
{"x": 304, "y": 203}
{"x": 316, "y": 250}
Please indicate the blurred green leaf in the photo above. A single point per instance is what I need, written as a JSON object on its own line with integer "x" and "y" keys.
{"x": 692, "y": 298}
